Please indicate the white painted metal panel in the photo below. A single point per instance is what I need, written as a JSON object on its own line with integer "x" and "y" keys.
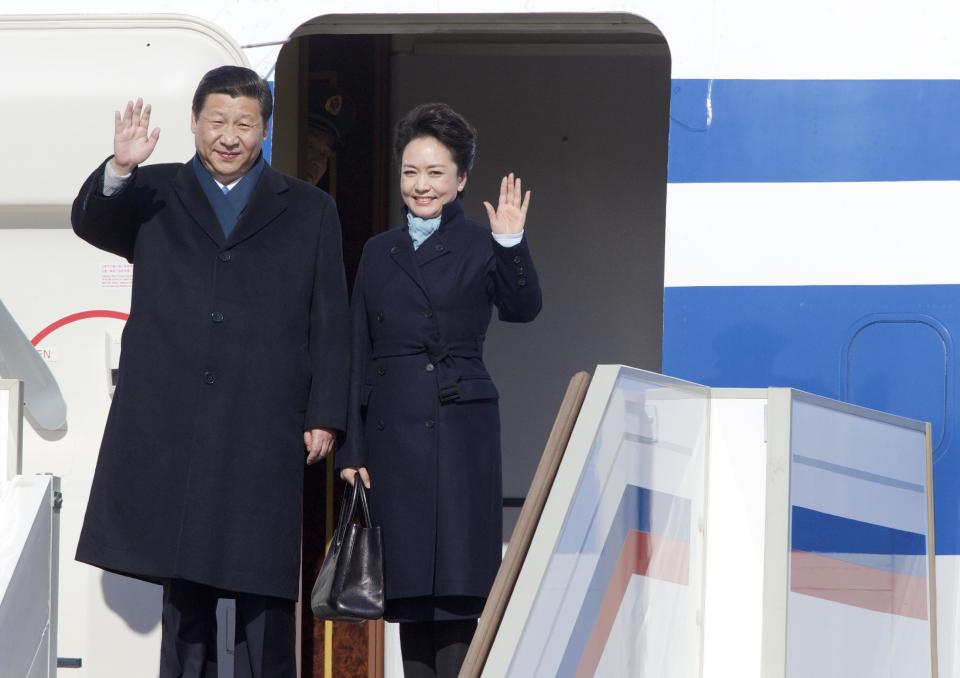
{"x": 776, "y": 234}
{"x": 736, "y": 501}
{"x": 27, "y": 568}
{"x": 7, "y": 454}
{"x": 708, "y": 39}
{"x": 11, "y": 427}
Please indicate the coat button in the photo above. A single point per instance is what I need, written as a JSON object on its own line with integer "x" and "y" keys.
{"x": 394, "y": 250}
{"x": 225, "y": 256}
{"x": 216, "y": 317}
{"x": 209, "y": 378}
{"x": 439, "y": 248}
{"x": 381, "y": 425}
{"x": 429, "y": 367}
{"x": 381, "y": 371}
{"x": 519, "y": 270}
{"x": 428, "y": 313}
{"x": 379, "y": 317}
{"x": 429, "y": 425}
{"x": 522, "y": 282}
{"x": 517, "y": 259}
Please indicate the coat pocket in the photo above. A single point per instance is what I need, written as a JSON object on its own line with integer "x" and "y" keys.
{"x": 480, "y": 388}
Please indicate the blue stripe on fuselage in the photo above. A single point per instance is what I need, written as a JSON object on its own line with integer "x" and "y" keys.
{"x": 814, "y": 130}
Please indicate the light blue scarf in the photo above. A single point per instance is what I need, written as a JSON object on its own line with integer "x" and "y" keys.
{"x": 421, "y": 229}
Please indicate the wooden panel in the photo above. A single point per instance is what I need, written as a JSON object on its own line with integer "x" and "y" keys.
{"x": 351, "y": 656}
{"x": 314, "y": 545}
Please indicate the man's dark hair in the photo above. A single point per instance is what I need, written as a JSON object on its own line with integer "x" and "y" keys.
{"x": 235, "y": 81}
{"x": 444, "y": 124}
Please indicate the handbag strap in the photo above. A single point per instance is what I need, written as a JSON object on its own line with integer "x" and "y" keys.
{"x": 364, "y": 507}
{"x": 348, "y": 506}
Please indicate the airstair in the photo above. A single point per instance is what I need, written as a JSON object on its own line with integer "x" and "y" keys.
{"x": 29, "y": 536}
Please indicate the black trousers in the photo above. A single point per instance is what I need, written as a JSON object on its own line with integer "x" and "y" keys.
{"x": 435, "y": 649}
{"x": 265, "y": 633}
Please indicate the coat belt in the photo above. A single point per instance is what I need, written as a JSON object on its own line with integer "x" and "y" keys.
{"x": 441, "y": 355}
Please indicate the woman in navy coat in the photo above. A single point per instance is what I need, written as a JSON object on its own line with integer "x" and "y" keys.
{"x": 423, "y": 425}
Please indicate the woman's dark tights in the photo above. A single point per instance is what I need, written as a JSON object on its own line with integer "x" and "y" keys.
{"x": 435, "y": 649}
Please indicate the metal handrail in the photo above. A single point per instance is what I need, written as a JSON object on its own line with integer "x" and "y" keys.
{"x": 12, "y": 418}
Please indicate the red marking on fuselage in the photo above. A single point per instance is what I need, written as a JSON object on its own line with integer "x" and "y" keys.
{"x": 74, "y": 317}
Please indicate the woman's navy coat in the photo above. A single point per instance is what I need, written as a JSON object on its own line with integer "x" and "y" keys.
{"x": 234, "y": 346}
{"x": 423, "y": 413}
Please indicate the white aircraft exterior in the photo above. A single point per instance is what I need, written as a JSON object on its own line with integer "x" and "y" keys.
{"x": 811, "y": 232}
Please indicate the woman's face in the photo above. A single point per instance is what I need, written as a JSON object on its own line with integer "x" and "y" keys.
{"x": 428, "y": 177}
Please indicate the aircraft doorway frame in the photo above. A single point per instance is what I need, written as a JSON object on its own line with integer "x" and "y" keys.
{"x": 619, "y": 34}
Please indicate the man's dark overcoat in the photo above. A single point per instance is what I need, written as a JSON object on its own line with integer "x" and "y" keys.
{"x": 423, "y": 414}
{"x": 233, "y": 347}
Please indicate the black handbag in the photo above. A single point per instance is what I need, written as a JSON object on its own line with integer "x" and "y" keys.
{"x": 349, "y": 586}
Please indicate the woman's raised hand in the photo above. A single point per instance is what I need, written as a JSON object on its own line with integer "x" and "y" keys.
{"x": 131, "y": 143}
{"x": 511, "y": 213}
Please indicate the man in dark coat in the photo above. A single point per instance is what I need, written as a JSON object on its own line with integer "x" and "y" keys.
{"x": 234, "y": 359}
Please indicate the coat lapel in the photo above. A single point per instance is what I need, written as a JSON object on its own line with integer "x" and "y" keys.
{"x": 438, "y": 244}
{"x": 432, "y": 248}
{"x": 401, "y": 252}
{"x": 195, "y": 202}
{"x": 266, "y": 204}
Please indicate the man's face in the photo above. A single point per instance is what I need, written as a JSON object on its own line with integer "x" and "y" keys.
{"x": 228, "y": 134}
{"x": 319, "y": 151}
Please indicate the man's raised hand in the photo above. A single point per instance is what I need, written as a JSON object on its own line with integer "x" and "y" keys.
{"x": 131, "y": 143}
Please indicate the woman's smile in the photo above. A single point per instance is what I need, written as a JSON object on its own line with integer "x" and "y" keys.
{"x": 429, "y": 177}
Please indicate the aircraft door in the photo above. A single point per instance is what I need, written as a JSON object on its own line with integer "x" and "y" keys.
{"x": 62, "y": 302}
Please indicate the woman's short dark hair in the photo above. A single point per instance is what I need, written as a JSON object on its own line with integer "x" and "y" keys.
{"x": 235, "y": 81}
{"x": 444, "y": 124}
